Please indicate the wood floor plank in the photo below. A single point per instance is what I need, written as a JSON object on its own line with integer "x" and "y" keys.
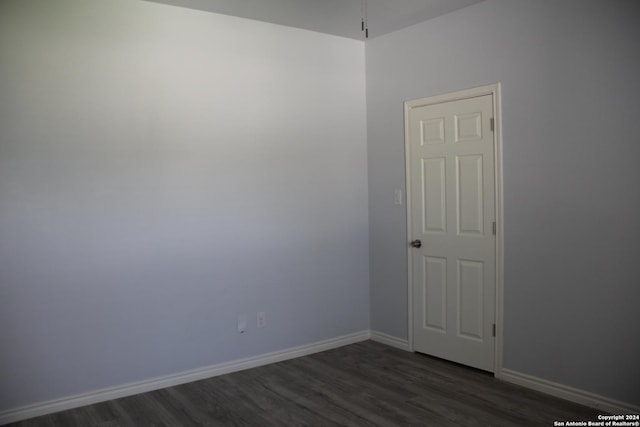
{"x": 364, "y": 384}
{"x": 365, "y": 398}
{"x": 264, "y": 392}
{"x": 321, "y": 398}
{"x": 223, "y": 406}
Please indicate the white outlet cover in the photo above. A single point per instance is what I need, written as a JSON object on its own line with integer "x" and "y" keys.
{"x": 397, "y": 197}
{"x": 242, "y": 324}
{"x": 262, "y": 319}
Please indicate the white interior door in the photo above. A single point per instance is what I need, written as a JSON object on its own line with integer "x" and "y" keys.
{"x": 452, "y": 185}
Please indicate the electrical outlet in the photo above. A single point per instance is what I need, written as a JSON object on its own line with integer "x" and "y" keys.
{"x": 242, "y": 324}
{"x": 397, "y": 197}
{"x": 262, "y": 319}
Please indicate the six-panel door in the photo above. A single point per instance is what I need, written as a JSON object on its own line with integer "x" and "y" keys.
{"x": 453, "y": 210}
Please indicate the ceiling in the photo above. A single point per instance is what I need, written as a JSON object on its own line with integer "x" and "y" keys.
{"x": 337, "y": 17}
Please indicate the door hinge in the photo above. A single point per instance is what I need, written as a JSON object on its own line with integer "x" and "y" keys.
{"x": 494, "y": 228}
{"x": 492, "y": 123}
{"x": 494, "y": 329}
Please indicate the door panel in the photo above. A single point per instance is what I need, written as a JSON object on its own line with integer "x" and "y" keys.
{"x": 432, "y": 131}
{"x": 434, "y": 287}
{"x": 434, "y": 216}
{"x": 469, "y": 195}
{"x": 453, "y": 208}
{"x": 470, "y": 299}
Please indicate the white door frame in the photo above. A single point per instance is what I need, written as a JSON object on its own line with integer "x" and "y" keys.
{"x": 493, "y": 90}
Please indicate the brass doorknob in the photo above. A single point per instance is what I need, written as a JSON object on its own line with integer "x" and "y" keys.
{"x": 416, "y": 243}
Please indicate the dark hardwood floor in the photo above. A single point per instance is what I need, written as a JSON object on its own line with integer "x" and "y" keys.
{"x": 364, "y": 384}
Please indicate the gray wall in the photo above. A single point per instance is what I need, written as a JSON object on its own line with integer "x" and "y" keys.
{"x": 569, "y": 72}
{"x": 163, "y": 170}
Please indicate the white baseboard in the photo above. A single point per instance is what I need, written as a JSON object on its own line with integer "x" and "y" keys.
{"x": 389, "y": 340}
{"x": 565, "y": 392}
{"x": 568, "y": 393}
{"x": 130, "y": 389}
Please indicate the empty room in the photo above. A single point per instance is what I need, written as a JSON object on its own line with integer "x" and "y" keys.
{"x": 319, "y": 212}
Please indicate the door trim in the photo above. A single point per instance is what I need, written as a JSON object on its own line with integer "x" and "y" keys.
{"x": 495, "y": 91}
